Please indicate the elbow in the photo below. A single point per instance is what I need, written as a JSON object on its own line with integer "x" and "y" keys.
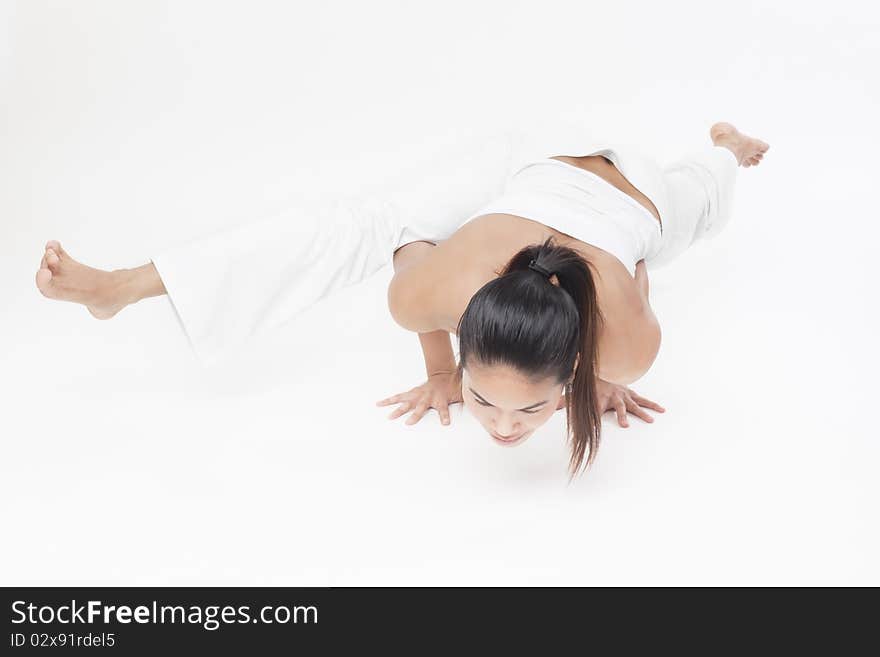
{"x": 636, "y": 360}
{"x": 621, "y": 378}
{"x": 625, "y": 378}
{"x": 649, "y": 348}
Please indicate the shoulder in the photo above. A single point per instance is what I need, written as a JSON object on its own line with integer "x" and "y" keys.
{"x": 428, "y": 289}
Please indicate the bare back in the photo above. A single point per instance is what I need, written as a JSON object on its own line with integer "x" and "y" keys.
{"x": 476, "y": 252}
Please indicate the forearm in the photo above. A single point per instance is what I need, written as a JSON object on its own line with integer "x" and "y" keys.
{"x": 437, "y": 348}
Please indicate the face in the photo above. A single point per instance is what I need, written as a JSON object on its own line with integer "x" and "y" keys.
{"x": 507, "y": 404}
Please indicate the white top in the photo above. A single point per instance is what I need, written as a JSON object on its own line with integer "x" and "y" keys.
{"x": 580, "y": 204}
{"x": 512, "y": 172}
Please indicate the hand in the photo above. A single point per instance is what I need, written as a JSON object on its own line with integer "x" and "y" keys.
{"x": 614, "y": 397}
{"x": 437, "y": 392}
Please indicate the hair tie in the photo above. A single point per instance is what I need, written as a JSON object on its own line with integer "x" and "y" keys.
{"x": 534, "y": 265}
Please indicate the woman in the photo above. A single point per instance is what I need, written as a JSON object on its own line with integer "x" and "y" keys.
{"x": 541, "y": 275}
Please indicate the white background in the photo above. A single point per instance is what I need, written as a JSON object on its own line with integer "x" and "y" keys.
{"x": 131, "y": 126}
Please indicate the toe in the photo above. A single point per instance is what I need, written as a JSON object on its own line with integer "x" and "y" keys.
{"x": 55, "y": 245}
{"x": 52, "y": 260}
{"x": 44, "y": 282}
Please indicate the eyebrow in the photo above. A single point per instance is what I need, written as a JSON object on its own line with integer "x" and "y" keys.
{"x": 527, "y": 408}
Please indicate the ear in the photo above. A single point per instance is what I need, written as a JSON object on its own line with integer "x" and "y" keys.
{"x": 577, "y": 359}
{"x": 561, "y": 403}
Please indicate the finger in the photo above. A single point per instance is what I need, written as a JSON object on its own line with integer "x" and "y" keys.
{"x": 401, "y": 410}
{"x": 633, "y": 408}
{"x": 391, "y": 400}
{"x": 621, "y": 413}
{"x": 647, "y": 403}
{"x": 420, "y": 410}
{"x": 444, "y": 413}
{"x": 644, "y": 401}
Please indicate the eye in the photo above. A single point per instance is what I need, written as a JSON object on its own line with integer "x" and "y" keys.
{"x": 481, "y": 403}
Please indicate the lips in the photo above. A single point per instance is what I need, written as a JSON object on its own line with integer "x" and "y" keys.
{"x": 506, "y": 440}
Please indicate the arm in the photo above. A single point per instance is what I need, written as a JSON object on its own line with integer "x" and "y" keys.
{"x": 442, "y": 387}
{"x": 437, "y": 349}
{"x": 412, "y": 290}
{"x": 436, "y": 344}
{"x": 649, "y": 333}
{"x": 642, "y": 338}
{"x": 628, "y": 351}
{"x": 637, "y": 354}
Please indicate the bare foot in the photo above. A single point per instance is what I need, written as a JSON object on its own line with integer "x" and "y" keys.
{"x": 748, "y": 150}
{"x": 63, "y": 278}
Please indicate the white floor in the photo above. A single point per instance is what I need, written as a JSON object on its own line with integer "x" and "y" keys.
{"x": 130, "y": 126}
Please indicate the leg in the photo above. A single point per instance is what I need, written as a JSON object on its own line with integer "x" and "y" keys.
{"x": 233, "y": 284}
{"x": 227, "y": 287}
{"x": 700, "y": 190}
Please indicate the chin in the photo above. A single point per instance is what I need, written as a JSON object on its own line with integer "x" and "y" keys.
{"x": 510, "y": 443}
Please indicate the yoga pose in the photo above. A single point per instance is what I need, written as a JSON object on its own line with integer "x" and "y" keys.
{"x": 538, "y": 265}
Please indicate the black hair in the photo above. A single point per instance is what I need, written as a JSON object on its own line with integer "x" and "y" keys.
{"x": 523, "y": 320}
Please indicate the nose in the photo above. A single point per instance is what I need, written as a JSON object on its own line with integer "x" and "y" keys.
{"x": 504, "y": 430}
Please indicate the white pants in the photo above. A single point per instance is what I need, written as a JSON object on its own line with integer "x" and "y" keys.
{"x": 233, "y": 284}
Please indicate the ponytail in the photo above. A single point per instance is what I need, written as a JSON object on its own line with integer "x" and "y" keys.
{"x": 541, "y": 316}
